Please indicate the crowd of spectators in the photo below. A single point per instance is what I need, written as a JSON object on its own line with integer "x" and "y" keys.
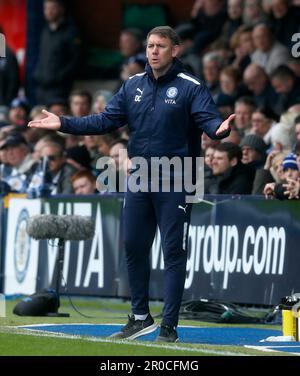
{"x": 241, "y": 49}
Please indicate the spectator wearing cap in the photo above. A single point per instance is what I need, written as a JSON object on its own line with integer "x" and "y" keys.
{"x": 230, "y": 176}
{"x": 254, "y": 155}
{"x": 291, "y": 177}
{"x": 254, "y": 151}
{"x": 19, "y": 158}
{"x": 84, "y": 183}
{"x": 18, "y": 112}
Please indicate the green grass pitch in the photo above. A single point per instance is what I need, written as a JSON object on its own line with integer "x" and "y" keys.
{"x": 19, "y": 342}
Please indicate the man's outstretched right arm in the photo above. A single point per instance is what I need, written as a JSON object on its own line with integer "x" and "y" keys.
{"x": 112, "y": 118}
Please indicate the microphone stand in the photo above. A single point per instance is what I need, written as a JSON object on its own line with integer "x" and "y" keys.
{"x": 59, "y": 273}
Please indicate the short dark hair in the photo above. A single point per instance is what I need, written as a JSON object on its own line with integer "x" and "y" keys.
{"x": 232, "y": 150}
{"x": 82, "y": 93}
{"x": 248, "y": 101}
{"x": 282, "y": 73}
{"x": 59, "y": 2}
{"x": 136, "y": 33}
{"x": 166, "y": 32}
{"x": 267, "y": 112}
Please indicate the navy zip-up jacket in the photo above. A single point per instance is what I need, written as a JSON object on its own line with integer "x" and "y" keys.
{"x": 163, "y": 115}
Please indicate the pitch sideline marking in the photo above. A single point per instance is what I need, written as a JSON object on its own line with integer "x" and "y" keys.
{"x": 40, "y": 333}
{"x": 273, "y": 349}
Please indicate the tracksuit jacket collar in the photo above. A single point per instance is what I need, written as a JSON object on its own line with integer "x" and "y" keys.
{"x": 177, "y": 67}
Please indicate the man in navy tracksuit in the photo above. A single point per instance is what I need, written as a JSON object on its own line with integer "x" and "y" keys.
{"x": 163, "y": 107}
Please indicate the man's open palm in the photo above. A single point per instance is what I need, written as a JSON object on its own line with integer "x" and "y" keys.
{"x": 226, "y": 125}
{"x": 51, "y": 122}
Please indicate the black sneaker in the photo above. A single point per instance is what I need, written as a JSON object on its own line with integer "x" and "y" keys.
{"x": 136, "y": 328}
{"x": 167, "y": 334}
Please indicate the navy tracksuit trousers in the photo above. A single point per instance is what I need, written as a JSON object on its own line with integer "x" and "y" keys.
{"x": 143, "y": 211}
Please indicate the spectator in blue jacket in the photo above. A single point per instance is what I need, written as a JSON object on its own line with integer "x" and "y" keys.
{"x": 165, "y": 108}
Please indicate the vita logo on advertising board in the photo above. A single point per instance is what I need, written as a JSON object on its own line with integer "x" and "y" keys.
{"x": 2, "y": 45}
{"x": 21, "y": 247}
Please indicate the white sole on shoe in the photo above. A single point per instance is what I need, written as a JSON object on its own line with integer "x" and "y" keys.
{"x": 144, "y": 331}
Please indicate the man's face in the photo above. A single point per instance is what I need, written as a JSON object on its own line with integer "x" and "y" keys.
{"x": 128, "y": 45}
{"x": 250, "y": 155}
{"x": 53, "y": 11}
{"x": 260, "y": 124}
{"x": 227, "y": 83}
{"x": 246, "y": 42}
{"x": 83, "y": 186}
{"x": 118, "y": 153}
{"x": 290, "y": 173}
{"x": 243, "y": 115}
{"x": 16, "y": 154}
{"x": 221, "y": 162}
{"x": 90, "y": 142}
{"x": 255, "y": 82}
{"x": 160, "y": 53}
{"x": 17, "y": 116}
{"x": 282, "y": 86}
{"x": 279, "y": 8}
{"x": 262, "y": 38}
{"x": 211, "y": 71}
{"x": 235, "y": 9}
{"x": 58, "y": 109}
{"x": 99, "y": 104}
{"x": 209, "y": 156}
{"x": 80, "y": 106}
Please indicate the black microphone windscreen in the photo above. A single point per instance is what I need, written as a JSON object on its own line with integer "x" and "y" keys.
{"x": 67, "y": 227}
